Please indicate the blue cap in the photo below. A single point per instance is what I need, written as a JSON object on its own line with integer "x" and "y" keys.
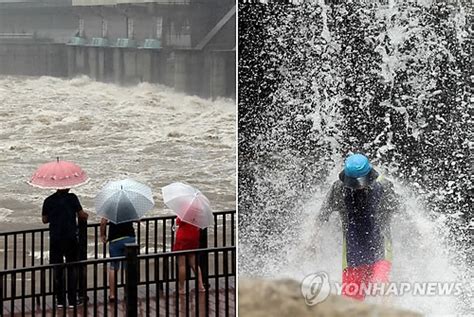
{"x": 357, "y": 165}
{"x": 358, "y": 173}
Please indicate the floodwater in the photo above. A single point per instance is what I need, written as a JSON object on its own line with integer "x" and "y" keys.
{"x": 146, "y": 132}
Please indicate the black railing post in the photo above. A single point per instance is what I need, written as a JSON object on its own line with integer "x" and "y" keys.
{"x": 1, "y": 293}
{"x": 82, "y": 269}
{"x": 131, "y": 288}
{"x": 204, "y": 258}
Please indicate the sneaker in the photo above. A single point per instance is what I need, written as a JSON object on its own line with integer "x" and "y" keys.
{"x": 60, "y": 305}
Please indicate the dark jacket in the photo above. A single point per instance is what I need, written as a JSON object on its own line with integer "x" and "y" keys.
{"x": 365, "y": 217}
{"x": 61, "y": 210}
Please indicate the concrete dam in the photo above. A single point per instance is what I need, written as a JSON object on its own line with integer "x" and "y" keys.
{"x": 189, "y": 45}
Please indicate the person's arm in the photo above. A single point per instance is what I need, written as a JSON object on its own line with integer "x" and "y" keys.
{"x": 82, "y": 215}
{"x": 103, "y": 226}
{"x": 44, "y": 213}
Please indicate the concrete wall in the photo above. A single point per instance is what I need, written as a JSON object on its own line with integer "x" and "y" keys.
{"x": 207, "y": 72}
{"x": 57, "y": 24}
{"x": 93, "y": 2}
{"x": 33, "y": 59}
{"x": 202, "y": 73}
{"x": 222, "y": 40}
{"x": 113, "y": 2}
{"x": 28, "y": 4}
{"x": 144, "y": 25}
{"x": 183, "y": 26}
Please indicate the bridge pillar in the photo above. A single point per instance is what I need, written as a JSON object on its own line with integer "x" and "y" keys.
{"x": 218, "y": 74}
{"x": 117, "y": 58}
{"x": 180, "y": 70}
{"x": 71, "y": 61}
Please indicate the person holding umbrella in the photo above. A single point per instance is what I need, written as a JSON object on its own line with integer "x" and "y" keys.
{"x": 121, "y": 203}
{"x": 187, "y": 238}
{"x": 61, "y": 211}
{"x": 119, "y": 235}
{"x": 193, "y": 214}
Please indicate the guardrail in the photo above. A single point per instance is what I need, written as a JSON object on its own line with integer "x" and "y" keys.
{"x": 149, "y": 286}
{"x": 17, "y": 35}
{"x": 155, "y": 234}
{"x": 26, "y": 280}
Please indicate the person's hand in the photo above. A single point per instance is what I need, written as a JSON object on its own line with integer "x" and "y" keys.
{"x": 83, "y": 215}
{"x": 104, "y": 239}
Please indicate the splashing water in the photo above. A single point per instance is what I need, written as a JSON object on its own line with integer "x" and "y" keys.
{"x": 391, "y": 81}
{"x": 421, "y": 255}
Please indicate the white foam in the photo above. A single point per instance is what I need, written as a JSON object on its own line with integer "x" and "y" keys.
{"x": 147, "y": 132}
{"x": 4, "y": 213}
{"x": 423, "y": 250}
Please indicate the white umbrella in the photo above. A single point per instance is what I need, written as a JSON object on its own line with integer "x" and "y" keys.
{"x": 189, "y": 204}
{"x": 123, "y": 201}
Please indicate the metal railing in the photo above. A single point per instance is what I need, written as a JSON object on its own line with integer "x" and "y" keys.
{"x": 149, "y": 286}
{"x": 26, "y": 281}
{"x": 16, "y": 35}
{"x": 155, "y": 234}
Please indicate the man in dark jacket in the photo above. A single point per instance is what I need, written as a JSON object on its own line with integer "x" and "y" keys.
{"x": 61, "y": 211}
{"x": 365, "y": 203}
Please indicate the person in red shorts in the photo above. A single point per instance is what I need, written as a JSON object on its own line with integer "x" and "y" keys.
{"x": 365, "y": 203}
{"x": 187, "y": 238}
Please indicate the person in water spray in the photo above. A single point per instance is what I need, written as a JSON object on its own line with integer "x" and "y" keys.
{"x": 365, "y": 202}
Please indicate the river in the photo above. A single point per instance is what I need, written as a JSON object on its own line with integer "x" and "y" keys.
{"x": 146, "y": 132}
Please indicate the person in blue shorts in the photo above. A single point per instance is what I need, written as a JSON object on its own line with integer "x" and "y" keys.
{"x": 119, "y": 235}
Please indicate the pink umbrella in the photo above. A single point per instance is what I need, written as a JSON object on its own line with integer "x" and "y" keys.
{"x": 58, "y": 175}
